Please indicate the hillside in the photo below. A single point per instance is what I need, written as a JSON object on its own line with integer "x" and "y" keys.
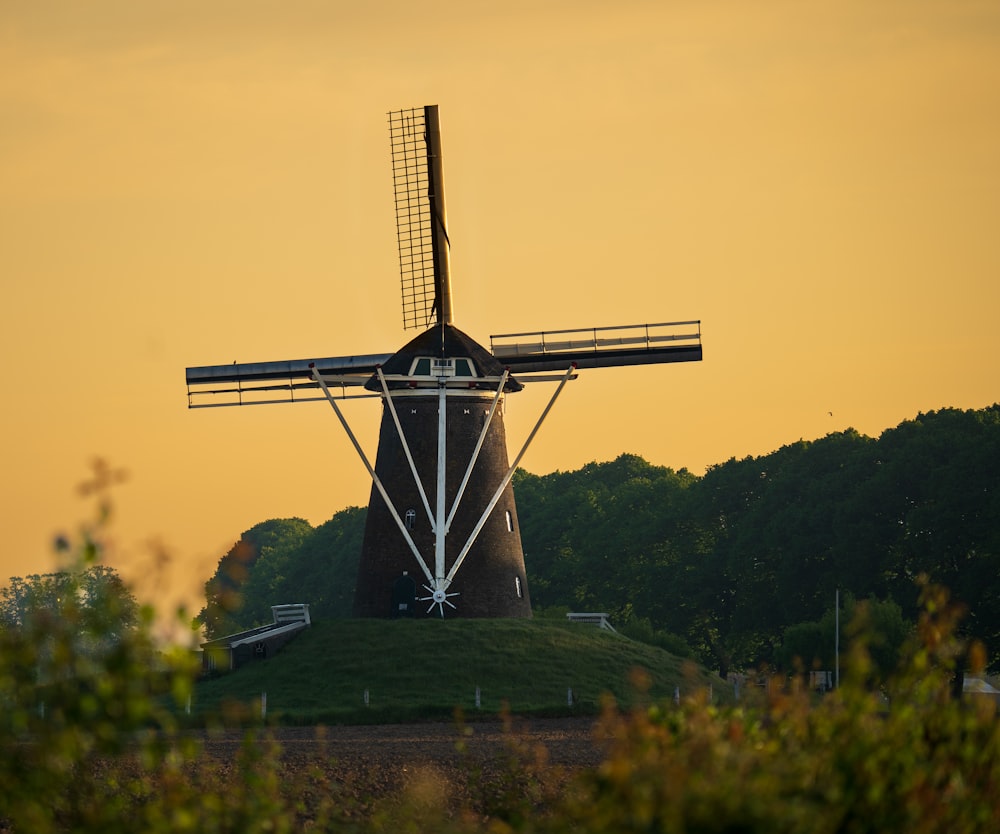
{"x": 416, "y": 669}
{"x": 727, "y": 564}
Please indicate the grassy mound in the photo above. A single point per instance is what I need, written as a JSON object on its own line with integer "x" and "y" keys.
{"x": 419, "y": 669}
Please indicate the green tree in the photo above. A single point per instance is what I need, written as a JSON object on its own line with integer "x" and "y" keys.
{"x": 941, "y": 476}
{"x": 237, "y": 594}
{"x": 102, "y": 600}
{"x": 880, "y": 623}
{"x": 281, "y": 561}
{"x": 323, "y": 569}
{"x": 592, "y": 536}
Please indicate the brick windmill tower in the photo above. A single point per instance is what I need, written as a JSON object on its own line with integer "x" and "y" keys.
{"x": 442, "y": 534}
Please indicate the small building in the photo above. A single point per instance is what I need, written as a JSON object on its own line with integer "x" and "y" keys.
{"x": 224, "y": 654}
{"x": 980, "y": 688}
{"x": 821, "y": 680}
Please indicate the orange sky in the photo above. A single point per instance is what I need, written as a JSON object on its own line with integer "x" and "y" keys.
{"x": 186, "y": 183}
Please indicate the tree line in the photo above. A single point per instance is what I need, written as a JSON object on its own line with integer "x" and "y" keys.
{"x": 101, "y": 600}
{"x": 739, "y": 565}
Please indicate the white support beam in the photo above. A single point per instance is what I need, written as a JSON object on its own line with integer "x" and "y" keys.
{"x": 406, "y": 447}
{"x": 375, "y": 478}
{"x": 475, "y": 452}
{"x": 442, "y": 473}
{"x": 506, "y": 479}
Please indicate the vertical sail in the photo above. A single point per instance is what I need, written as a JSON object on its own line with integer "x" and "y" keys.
{"x": 421, "y": 218}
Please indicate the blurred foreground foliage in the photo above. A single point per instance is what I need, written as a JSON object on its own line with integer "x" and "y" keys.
{"x": 909, "y": 757}
{"x": 89, "y": 736}
{"x": 90, "y": 741}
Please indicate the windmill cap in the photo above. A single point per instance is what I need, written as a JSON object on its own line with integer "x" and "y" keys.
{"x": 444, "y": 341}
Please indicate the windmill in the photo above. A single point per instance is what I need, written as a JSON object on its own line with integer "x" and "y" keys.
{"x": 441, "y": 532}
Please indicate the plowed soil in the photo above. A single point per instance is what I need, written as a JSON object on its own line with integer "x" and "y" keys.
{"x": 472, "y": 767}
{"x": 568, "y": 742}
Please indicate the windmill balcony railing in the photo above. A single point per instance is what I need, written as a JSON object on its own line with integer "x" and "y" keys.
{"x": 632, "y": 336}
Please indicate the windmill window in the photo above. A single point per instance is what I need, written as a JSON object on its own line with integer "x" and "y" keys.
{"x": 433, "y": 366}
{"x": 510, "y": 522}
{"x": 411, "y": 519}
{"x": 517, "y": 587}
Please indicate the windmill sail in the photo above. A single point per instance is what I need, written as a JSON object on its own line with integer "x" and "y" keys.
{"x": 421, "y": 218}
{"x": 262, "y": 383}
{"x": 599, "y": 347}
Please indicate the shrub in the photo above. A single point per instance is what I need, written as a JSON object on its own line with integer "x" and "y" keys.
{"x": 88, "y": 735}
{"x": 641, "y": 629}
{"x": 920, "y": 760}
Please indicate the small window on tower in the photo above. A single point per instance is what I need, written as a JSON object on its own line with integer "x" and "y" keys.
{"x": 517, "y": 587}
{"x": 510, "y": 522}
{"x": 411, "y": 519}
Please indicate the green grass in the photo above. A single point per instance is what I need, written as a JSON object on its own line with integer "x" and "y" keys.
{"x": 421, "y": 669}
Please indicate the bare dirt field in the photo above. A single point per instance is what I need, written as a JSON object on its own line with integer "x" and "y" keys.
{"x": 349, "y": 774}
{"x": 568, "y": 742}
{"x": 472, "y": 764}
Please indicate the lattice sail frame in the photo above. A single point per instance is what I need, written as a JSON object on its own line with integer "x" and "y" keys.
{"x": 411, "y": 181}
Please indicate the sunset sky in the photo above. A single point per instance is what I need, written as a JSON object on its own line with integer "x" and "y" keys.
{"x": 191, "y": 183}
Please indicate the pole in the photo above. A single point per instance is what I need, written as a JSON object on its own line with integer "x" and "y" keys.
{"x": 441, "y": 246}
{"x": 440, "y": 506}
{"x": 836, "y": 641}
